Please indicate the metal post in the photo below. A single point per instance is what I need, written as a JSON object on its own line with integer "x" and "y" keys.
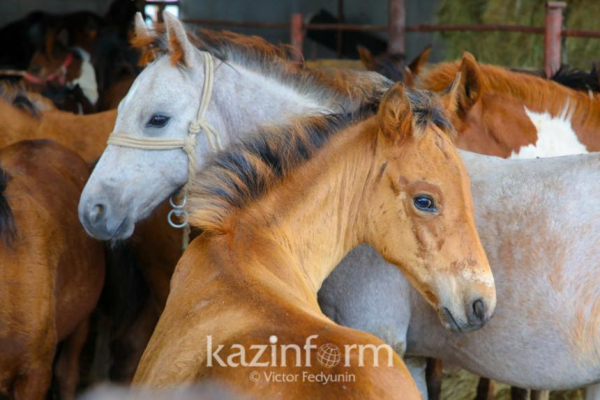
{"x": 397, "y": 27}
{"x": 297, "y": 36}
{"x": 553, "y": 36}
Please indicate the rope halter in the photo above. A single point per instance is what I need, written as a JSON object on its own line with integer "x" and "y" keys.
{"x": 187, "y": 144}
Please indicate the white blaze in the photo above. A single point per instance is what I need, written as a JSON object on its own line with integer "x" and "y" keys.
{"x": 555, "y": 136}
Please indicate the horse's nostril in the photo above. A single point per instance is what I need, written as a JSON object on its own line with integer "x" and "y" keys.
{"x": 96, "y": 213}
{"x": 479, "y": 309}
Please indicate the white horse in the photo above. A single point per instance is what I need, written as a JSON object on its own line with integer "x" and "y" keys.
{"x": 252, "y": 85}
{"x": 539, "y": 221}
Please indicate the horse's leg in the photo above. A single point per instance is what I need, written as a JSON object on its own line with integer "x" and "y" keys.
{"x": 518, "y": 393}
{"x": 67, "y": 366}
{"x": 417, "y": 366}
{"x": 34, "y": 385}
{"x": 592, "y": 392}
{"x": 434, "y": 373}
{"x": 540, "y": 395}
{"x": 485, "y": 389}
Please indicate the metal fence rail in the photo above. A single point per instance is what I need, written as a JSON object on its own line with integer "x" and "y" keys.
{"x": 396, "y": 28}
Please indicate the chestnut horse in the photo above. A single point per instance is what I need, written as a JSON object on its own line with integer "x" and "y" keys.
{"x": 57, "y": 71}
{"x": 265, "y": 250}
{"x": 510, "y": 114}
{"x": 52, "y": 273}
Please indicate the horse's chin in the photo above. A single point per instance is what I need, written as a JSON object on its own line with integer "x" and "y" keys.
{"x": 122, "y": 231}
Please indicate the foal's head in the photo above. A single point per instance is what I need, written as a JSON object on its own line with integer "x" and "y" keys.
{"x": 420, "y": 214}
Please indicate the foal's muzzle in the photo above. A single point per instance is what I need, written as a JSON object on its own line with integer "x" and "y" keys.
{"x": 477, "y": 313}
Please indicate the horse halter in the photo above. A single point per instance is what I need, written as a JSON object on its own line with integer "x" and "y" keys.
{"x": 60, "y": 74}
{"x": 187, "y": 144}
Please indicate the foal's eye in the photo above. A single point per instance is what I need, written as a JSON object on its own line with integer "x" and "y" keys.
{"x": 425, "y": 203}
{"x": 158, "y": 121}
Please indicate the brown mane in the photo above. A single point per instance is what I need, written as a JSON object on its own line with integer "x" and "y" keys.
{"x": 18, "y": 96}
{"x": 347, "y": 90}
{"x": 537, "y": 93}
{"x": 243, "y": 173}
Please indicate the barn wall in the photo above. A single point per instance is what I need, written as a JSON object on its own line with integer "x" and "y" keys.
{"x": 357, "y": 11}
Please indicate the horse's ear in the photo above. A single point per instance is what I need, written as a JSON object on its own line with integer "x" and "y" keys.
{"x": 143, "y": 40}
{"x": 366, "y": 58}
{"x": 419, "y": 62}
{"x": 395, "y": 114}
{"x": 180, "y": 47}
{"x": 450, "y": 96}
{"x": 471, "y": 84}
{"x": 140, "y": 28}
{"x": 50, "y": 42}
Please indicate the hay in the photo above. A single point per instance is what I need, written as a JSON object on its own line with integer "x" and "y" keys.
{"x": 517, "y": 49}
{"x": 459, "y": 384}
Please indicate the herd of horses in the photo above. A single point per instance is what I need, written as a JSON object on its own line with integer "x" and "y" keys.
{"x": 337, "y": 209}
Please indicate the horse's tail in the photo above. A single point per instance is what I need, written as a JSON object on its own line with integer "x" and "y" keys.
{"x": 8, "y": 227}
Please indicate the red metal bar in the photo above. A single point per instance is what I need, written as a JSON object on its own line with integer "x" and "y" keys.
{"x": 553, "y": 36}
{"x": 397, "y": 27}
{"x": 475, "y": 28}
{"x": 580, "y": 33}
{"x": 297, "y": 36}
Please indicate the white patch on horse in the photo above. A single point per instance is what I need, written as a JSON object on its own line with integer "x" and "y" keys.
{"x": 87, "y": 80}
{"x": 468, "y": 275}
{"x": 556, "y": 136}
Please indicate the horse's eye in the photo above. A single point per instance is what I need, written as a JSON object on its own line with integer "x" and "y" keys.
{"x": 158, "y": 121}
{"x": 425, "y": 203}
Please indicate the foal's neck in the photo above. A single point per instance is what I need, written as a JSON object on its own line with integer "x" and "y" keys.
{"x": 246, "y": 99}
{"x": 309, "y": 223}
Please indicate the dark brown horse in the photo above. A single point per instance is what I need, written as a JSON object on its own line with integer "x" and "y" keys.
{"x": 52, "y": 272}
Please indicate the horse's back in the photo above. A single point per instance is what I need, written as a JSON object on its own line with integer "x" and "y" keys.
{"x": 44, "y": 183}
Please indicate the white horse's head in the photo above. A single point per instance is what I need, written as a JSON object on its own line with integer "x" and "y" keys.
{"x": 128, "y": 183}
{"x": 254, "y": 84}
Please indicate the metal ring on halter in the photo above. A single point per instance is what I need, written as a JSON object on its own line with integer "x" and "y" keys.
{"x": 180, "y": 205}
{"x": 178, "y": 213}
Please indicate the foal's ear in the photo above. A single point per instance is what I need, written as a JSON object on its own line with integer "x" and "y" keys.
{"x": 395, "y": 114}
{"x": 180, "y": 47}
{"x": 366, "y": 58}
{"x": 471, "y": 85}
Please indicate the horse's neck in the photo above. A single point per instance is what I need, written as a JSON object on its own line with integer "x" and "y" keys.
{"x": 84, "y": 134}
{"x": 299, "y": 242}
{"x": 245, "y": 99}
